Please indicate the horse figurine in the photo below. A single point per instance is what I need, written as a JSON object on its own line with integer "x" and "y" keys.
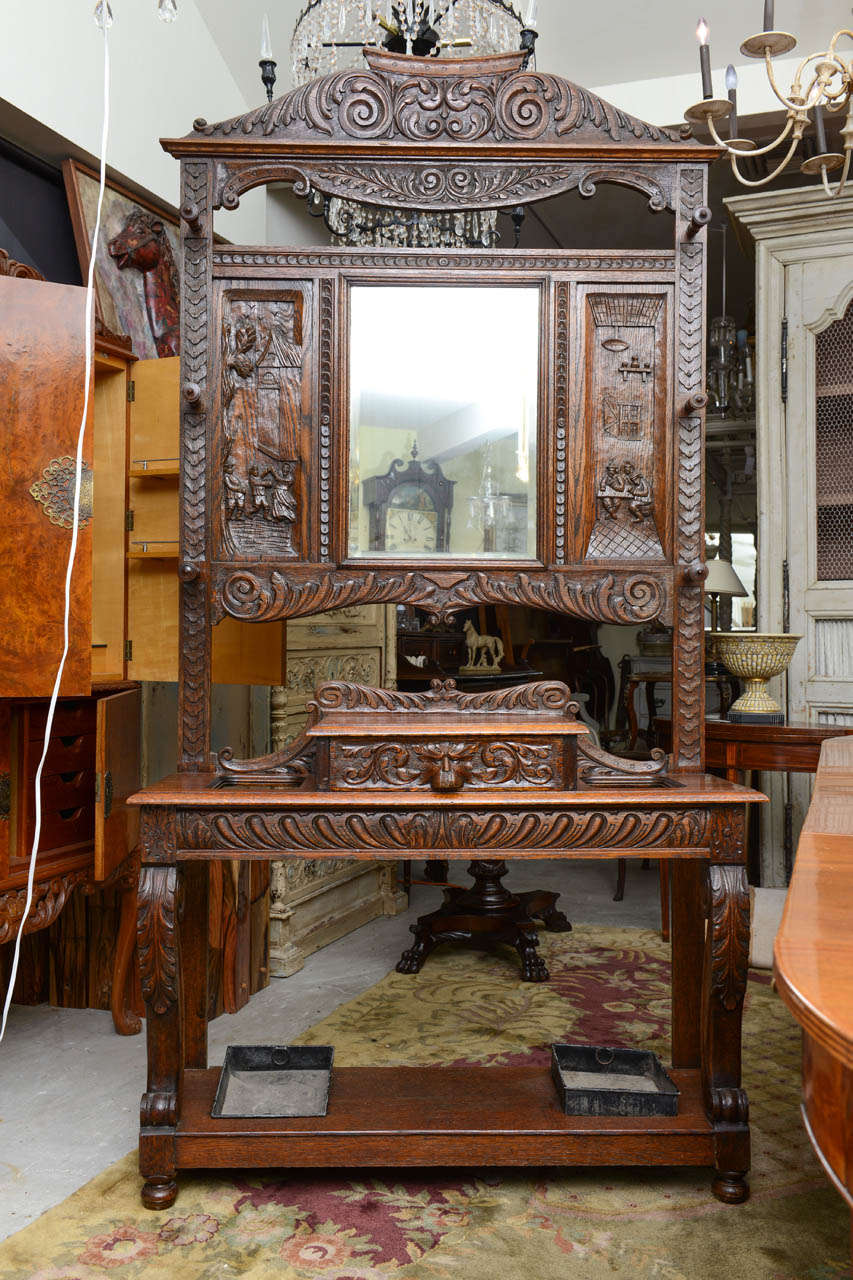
{"x": 483, "y": 653}
{"x": 142, "y": 244}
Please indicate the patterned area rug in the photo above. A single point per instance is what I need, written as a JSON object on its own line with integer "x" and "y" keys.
{"x": 606, "y": 987}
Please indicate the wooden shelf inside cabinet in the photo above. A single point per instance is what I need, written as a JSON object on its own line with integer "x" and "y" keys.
{"x": 154, "y": 469}
{"x": 164, "y": 551}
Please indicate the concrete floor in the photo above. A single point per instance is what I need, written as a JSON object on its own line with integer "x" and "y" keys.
{"x": 70, "y": 1087}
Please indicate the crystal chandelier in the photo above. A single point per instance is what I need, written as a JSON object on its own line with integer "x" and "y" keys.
{"x": 167, "y": 11}
{"x": 330, "y": 34}
{"x": 822, "y": 82}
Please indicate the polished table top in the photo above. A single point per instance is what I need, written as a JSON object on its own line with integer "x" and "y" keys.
{"x": 814, "y": 945}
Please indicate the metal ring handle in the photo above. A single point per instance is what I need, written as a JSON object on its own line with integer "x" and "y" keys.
{"x": 280, "y": 1057}
{"x": 604, "y": 1057}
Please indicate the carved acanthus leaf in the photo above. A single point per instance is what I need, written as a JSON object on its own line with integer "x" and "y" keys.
{"x": 264, "y": 595}
{"x": 729, "y": 928}
{"x": 156, "y": 937}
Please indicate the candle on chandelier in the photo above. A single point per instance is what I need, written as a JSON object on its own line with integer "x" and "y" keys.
{"x": 532, "y": 14}
{"x": 768, "y": 16}
{"x": 266, "y": 42}
{"x": 731, "y": 86}
{"x": 704, "y": 58}
{"x": 820, "y": 131}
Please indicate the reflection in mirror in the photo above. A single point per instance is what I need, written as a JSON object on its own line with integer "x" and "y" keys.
{"x": 443, "y": 416}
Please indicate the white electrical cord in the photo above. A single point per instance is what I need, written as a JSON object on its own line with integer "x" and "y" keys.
{"x": 72, "y": 550}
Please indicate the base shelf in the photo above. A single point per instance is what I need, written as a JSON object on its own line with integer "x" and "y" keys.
{"x": 410, "y": 1116}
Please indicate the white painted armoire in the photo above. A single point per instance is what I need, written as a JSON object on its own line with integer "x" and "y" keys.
{"x": 804, "y": 443}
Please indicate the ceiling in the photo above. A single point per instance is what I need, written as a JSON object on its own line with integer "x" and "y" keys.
{"x": 592, "y": 44}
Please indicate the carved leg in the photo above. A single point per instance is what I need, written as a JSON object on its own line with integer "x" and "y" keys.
{"x": 533, "y": 967}
{"x": 663, "y": 872}
{"x": 412, "y": 960}
{"x": 539, "y": 905}
{"x": 723, "y": 990}
{"x": 688, "y": 950}
{"x": 555, "y": 921}
{"x": 159, "y": 972}
{"x": 125, "y": 1021}
{"x": 194, "y": 962}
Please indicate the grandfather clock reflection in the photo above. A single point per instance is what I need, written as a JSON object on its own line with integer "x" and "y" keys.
{"x": 409, "y": 507}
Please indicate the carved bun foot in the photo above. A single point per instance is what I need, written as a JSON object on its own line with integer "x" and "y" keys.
{"x": 731, "y": 1188}
{"x": 533, "y": 967}
{"x": 412, "y": 960}
{"x": 556, "y": 921}
{"x": 159, "y": 1193}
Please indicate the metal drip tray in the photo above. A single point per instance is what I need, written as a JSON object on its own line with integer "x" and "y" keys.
{"x": 594, "y": 1081}
{"x": 274, "y": 1080}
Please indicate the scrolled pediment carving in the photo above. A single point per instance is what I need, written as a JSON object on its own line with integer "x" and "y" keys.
{"x": 428, "y": 100}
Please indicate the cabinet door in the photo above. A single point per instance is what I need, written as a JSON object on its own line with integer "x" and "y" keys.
{"x": 42, "y": 371}
{"x": 819, "y": 301}
{"x": 117, "y": 777}
{"x": 243, "y": 653}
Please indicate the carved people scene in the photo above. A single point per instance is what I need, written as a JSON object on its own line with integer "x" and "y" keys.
{"x": 624, "y": 334}
{"x": 422, "y": 443}
{"x": 261, "y": 419}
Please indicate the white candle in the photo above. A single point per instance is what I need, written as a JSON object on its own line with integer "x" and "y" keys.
{"x": 532, "y": 13}
{"x": 266, "y": 42}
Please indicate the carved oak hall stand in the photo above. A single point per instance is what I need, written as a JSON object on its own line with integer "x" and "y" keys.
{"x": 573, "y": 382}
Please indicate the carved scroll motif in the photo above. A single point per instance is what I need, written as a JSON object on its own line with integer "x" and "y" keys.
{"x": 622, "y": 345}
{"x": 262, "y": 359}
{"x": 156, "y": 937}
{"x": 443, "y": 102}
{"x": 400, "y": 833}
{"x": 444, "y": 766}
{"x": 266, "y": 595}
{"x": 49, "y": 897}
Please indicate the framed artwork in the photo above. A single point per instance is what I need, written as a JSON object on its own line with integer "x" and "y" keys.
{"x": 137, "y": 283}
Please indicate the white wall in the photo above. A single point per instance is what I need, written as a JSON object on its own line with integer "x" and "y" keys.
{"x": 163, "y": 76}
{"x": 663, "y": 101}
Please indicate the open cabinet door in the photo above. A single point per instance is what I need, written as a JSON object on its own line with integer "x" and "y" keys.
{"x": 42, "y": 378}
{"x": 117, "y": 777}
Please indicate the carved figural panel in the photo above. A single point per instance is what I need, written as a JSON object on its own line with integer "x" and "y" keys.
{"x": 626, "y": 393}
{"x": 263, "y": 445}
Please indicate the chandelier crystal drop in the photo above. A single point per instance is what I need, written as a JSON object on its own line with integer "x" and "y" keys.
{"x": 167, "y": 10}
{"x": 330, "y": 34}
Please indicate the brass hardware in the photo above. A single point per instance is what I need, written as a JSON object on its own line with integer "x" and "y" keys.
{"x": 131, "y": 391}
{"x": 55, "y": 492}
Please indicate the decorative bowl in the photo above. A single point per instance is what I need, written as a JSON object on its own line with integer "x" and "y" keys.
{"x": 755, "y": 657}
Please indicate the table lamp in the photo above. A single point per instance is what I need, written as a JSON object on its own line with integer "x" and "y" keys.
{"x": 721, "y": 581}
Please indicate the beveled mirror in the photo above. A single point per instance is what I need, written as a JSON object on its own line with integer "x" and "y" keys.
{"x": 444, "y": 412}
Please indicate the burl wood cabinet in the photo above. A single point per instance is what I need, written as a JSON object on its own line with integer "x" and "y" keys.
{"x": 123, "y": 629}
{"x": 570, "y": 383}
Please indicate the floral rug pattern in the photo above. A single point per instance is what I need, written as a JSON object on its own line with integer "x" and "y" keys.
{"x": 607, "y": 987}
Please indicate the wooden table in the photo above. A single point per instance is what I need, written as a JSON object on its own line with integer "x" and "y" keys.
{"x": 736, "y": 750}
{"x": 725, "y": 685}
{"x": 813, "y": 962}
{"x": 407, "y": 1116}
